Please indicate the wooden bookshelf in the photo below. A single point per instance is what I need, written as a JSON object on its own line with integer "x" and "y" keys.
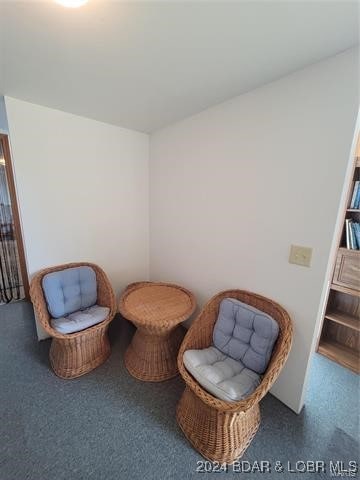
{"x": 340, "y": 333}
{"x": 340, "y": 354}
{"x": 349, "y": 291}
{"x": 343, "y": 318}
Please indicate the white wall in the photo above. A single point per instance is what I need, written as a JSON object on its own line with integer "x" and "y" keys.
{"x": 82, "y": 189}
{"x": 232, "y": 187}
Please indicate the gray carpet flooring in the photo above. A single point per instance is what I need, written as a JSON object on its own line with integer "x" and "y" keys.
{"x": 108, "y": 426}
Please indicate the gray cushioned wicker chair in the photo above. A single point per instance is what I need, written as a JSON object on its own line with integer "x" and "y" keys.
{"x": 222, "y": 430}
{"x": 74, "y": 354}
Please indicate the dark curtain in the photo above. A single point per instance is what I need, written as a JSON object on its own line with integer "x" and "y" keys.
{"x": 10, "y": 278}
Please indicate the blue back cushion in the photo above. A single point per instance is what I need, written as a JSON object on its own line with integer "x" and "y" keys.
{"x": 70, "y": 290}
{"x": 245, "y": 333}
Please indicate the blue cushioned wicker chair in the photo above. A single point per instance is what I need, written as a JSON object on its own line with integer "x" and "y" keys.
{"x": 74, "y": 303}
{"x": 226, "y": 379}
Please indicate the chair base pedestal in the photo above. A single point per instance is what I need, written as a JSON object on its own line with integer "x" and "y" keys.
{"x": 152, "y": 357}
{"x": 216, "y": 435}
{"x": 73, "y": 357}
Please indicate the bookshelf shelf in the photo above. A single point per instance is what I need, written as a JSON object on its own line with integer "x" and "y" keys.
{"x": 340, "y": 354}
{"x": 349, "y": 291}
{"x": 340, "y": 333}
{"x": 353, "y": 252}
{"x": 345, "y": 319}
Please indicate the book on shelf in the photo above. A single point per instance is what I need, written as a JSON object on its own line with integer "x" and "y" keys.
{"x": 355, "y": 197}
{"x": 347, "y": 234}
{"x": 356, "y": 228}
{"x": 352, "y": 237}
{"x": 352, "y": 234}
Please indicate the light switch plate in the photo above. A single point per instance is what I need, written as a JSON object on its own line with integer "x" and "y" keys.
{"x": 300, "y": 255}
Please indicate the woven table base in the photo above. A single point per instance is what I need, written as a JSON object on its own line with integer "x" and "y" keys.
{"x": 73, "y": 357}
{"x": 216, "y": 435}
{"x": 151, "y": 357}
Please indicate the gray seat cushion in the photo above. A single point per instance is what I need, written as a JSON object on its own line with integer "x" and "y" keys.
{"x": 220, "y": 375}
{"x": 70, "y": 290}
{"x": 80, "y": 320}
{"x": 246, "y": 334}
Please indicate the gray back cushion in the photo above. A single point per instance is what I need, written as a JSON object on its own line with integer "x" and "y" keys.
{"x": 245, "y": 333}
{"x": 70, "y": 290}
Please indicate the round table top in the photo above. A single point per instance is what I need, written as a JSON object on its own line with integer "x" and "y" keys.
{"x": 156, "y": 304}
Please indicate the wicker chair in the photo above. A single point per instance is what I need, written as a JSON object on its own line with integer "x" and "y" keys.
{"x": 221, "y": 431}
{"x": 75, "y": 354}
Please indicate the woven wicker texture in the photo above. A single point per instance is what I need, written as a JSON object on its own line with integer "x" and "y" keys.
{"x": 221, "y": 431}
{"x": 157, "y": 306}
{"x": 156, "y": 309}
{"x": 75, "y": 354}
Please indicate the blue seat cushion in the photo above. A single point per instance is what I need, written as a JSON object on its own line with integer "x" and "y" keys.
{"x": 69, "y": 290}
{"x": 80, "y": 320}
{"x": 220, "y": 375}
{"x": 245, "y": 334}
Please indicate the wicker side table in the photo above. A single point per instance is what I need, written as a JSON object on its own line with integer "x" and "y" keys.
{"x": 156, "y": 309}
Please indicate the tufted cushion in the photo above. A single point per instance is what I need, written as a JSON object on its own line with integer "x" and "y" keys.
{"x": 80, "y": 320}
{"x": 245, "y": 334}
{"x": 221, "y": 375}
{"x": 69, "y": 290}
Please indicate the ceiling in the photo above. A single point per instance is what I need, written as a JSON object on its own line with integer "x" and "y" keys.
{"x": 144, "y": 65}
